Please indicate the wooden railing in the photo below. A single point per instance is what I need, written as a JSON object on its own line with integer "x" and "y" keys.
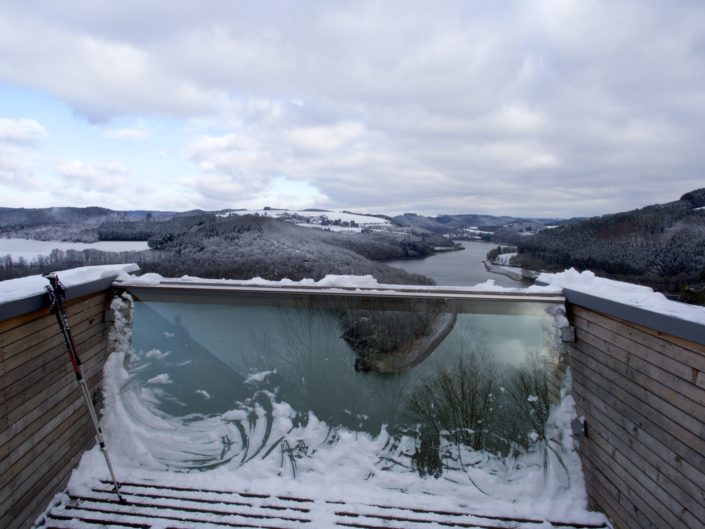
{"x": 44, "y": 425}
{"x": 641, "y": 392}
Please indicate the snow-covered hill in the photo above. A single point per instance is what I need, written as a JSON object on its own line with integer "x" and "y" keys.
{"x": 332, "y": 220}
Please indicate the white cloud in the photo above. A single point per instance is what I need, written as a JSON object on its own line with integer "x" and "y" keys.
{"x": 26, "y": 131}
{"x": 130, "y": 134}
{"x": 100, "y": 76}
{"x": 90, "y": 176}
{"x": 18, "y": 166}
{"x": 285, "y": 193}
{"x": 516, "y": 117}
{"x": 323, "y": 139}
{"x": 471, "y": 106}
{"x": 19, "y": 159}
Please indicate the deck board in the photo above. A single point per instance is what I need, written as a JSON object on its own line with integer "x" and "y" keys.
{"x": 151, "y": 505}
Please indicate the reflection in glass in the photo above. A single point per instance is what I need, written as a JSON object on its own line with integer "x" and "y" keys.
{"x": 444, "y": 393}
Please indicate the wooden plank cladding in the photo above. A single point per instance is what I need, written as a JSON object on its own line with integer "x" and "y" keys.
{"x": 44, "y": 426}
{"x": 642, "y": 395}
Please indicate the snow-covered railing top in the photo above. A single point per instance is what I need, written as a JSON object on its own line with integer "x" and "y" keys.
{"x": 28, "y": 294}
{"x": 634, "y": 303}
{"x": 351, "y": 291}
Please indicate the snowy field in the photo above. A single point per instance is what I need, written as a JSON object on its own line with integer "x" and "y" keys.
{"x": 332, "y": 227}
{"x": 30, "y": 249}
{"x": 474, "y": 230}
{"x": 333, "y": 220}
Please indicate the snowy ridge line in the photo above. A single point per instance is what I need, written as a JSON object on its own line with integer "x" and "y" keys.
{"x": 99, "y": 506}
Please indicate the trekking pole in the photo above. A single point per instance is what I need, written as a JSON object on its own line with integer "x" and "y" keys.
{"x": 57, "y": 294}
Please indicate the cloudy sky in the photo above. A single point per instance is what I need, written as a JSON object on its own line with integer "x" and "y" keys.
{"x": 537, "y": 108}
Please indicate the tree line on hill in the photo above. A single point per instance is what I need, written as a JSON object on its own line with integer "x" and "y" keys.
{"x": 661, "y": 245}
{"x": 242, "y": 247}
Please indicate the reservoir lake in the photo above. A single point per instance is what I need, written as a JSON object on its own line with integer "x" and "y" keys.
{"x": 460, "y": 268}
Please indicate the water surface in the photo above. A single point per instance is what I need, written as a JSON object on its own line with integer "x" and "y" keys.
{"x": 462, "y": 268}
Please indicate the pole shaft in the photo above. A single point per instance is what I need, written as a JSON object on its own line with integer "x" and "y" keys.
{"x": 56, "y": 294}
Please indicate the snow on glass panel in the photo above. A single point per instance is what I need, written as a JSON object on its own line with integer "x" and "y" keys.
{"x": 424, "y": 394}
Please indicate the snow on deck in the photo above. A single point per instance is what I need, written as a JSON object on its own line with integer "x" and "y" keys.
{"x": 152, "y": 505}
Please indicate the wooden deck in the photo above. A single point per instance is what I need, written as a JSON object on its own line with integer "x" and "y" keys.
{"x": 149, "y": 505}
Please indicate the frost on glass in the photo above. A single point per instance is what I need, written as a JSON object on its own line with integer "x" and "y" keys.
{"x": 428, "y": 393}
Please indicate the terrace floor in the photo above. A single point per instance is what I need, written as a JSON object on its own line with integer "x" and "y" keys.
{"x": 151, "y": 505}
